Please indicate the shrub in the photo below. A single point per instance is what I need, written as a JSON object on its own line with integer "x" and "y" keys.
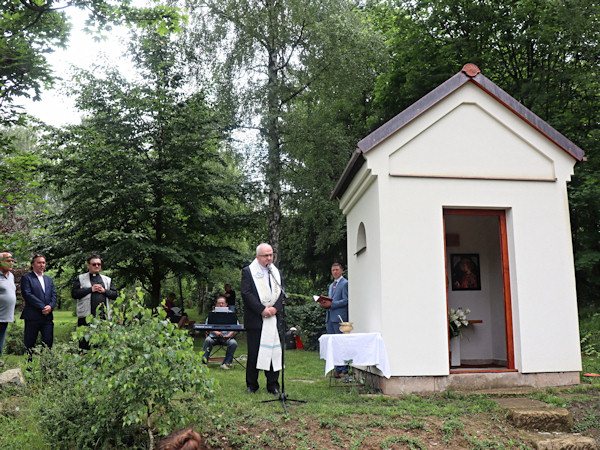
{"x": 589, "y": 326}
{"x": 141, "y": 377}
{"x": 13, "y": 344}
{"x": 309, "y": 318}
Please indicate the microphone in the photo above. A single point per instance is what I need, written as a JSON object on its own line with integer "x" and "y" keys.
{"x": 269, "y": 268}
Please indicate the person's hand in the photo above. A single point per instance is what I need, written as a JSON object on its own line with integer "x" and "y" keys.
{"x": 47, "y": 310}
{"x": 325, "y": 303}
{"x": 218, "y": 334}
{"x": 269, "y": 311}
{"x": 98, "y": 288}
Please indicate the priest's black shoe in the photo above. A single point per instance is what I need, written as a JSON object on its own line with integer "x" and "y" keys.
{"x": 274, "y": 391}
{"x": 250, "y": 391}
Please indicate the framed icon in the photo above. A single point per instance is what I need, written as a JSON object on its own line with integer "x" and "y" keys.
{"x": 465, "y": 272}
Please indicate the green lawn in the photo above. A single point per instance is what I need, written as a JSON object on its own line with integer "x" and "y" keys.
{"x": 341, "y": 416}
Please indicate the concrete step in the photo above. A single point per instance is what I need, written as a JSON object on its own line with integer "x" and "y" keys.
{"x": 529, "y": 414}
{"x": 562, "y": 441}
{"x": 547, "y": 425}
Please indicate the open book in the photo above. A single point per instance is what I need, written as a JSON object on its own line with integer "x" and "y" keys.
{"x": 324, "y": 301}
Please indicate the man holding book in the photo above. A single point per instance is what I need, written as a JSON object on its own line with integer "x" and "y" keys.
{"x": 338, "y": 293}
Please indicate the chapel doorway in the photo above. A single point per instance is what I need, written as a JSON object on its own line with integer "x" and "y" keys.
{"x": 478, "y": 279}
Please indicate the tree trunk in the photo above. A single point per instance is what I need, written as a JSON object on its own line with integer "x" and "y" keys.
{"x": 273, "y": 172}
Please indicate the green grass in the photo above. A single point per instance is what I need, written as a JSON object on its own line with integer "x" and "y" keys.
{"x": 332, "y": 417}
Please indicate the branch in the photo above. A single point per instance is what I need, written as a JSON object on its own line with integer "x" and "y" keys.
{"x": 302, "y": 88}
{"x": 294, "y": 46}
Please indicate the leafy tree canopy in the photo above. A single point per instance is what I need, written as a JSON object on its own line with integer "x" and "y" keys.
{"x": 144, "y": 178}
{"x": 264, "y": 56}
{"x": 31, "y": 29}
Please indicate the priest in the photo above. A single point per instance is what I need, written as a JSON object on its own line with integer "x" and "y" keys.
{"x": 263, "y": 299}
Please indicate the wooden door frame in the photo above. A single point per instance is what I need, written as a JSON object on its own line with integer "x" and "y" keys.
{"x": 501, "y": 214}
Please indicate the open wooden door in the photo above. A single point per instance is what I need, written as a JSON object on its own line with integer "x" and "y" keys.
{"x": 478, "y": 279}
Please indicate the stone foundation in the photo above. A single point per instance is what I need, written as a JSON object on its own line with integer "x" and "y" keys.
{"x": 479, "y": 381}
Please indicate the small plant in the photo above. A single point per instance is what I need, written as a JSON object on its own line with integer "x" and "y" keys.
{"x": 413, "y": 443}
{"x": 449, "y": 427}
{"x": 591, "y": 419}
{"x": 588, "y": 347}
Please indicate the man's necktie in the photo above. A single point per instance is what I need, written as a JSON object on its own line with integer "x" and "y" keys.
{"x": 334, "y": 286}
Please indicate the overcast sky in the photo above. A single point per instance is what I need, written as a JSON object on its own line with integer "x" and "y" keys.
{"x": 55, "y": 108}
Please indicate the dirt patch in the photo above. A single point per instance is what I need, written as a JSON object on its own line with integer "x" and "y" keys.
{"x": 362, "y": 431}
{"x": 483, "y": 430}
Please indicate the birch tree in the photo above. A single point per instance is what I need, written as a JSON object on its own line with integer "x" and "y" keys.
{"x": 264, "y": 55}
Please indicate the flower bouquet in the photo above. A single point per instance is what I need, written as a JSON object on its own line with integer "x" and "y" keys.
{"x": 457, "y": 319}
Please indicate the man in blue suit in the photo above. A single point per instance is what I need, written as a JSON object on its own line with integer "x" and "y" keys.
{"x": 40, "y": 299}
{"x": 338, "y": 292}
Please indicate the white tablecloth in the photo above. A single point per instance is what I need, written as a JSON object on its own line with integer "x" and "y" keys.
{"x": 364, "y": 349}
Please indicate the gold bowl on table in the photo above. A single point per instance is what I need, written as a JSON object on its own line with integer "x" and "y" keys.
{"x": 346, "y": 327}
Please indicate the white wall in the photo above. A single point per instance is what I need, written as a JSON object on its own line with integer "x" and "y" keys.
{"x": 364, "y": 274}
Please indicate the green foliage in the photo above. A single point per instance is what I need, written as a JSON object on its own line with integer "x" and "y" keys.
{"x": 413, "y": 443}
{"x": 165, "y": 197}
{"x": 235, "y": 420}
{"x": 68, "y": 417}
{"x": 13, "y": 343}
{"x": 29, "y": 30}
{"x": 589, "y": 329}
{"x": 18, "y": 172}
{"x": 18, "y": 427}
{"x": 309, "y": 319}
{"x": 141, "y": 377}
{"x": 591, "y": 419}
{"x": 450, "y": 427}
{"x": 588, "y": 347}
{"x": 295, "y": 55}
{"x": 549, "y": 396}
{"x": 322, "y": 127}
{"x": 584, "y": 202}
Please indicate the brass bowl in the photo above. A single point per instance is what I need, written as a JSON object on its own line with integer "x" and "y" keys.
{"x": 346, "y": 327}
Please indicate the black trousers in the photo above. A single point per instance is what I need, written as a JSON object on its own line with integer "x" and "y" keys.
{"x": 253, "y": 337}
{"x": 32, "y": 328}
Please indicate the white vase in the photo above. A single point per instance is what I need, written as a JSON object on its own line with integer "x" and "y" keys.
{"x": 455, "y": 351}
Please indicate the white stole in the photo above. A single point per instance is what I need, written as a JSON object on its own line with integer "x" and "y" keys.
{"x": 269, "y": 351}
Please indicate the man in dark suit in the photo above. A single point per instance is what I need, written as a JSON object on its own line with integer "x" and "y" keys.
{"x": 338, "y": 292}
{"x": 40, "y": 300}
{"x": 263, "y": 298}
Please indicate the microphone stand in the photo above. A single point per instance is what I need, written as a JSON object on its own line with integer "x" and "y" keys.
{"x": 282, "y": 395}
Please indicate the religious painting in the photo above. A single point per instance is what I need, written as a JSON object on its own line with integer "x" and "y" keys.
{"x": 465, "y": 272}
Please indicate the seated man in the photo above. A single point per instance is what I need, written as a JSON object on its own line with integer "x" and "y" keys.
{"x": 223, "y": 338}
{"x": 174, "y": 313}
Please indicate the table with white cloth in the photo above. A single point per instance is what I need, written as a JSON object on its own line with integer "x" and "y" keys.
{"x": 363, "y": 349}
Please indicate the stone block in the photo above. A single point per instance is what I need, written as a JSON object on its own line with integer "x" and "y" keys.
{"x": 545, "y": 419}
{"x": 553, "y": 441}
{"x": 12, "y": 376}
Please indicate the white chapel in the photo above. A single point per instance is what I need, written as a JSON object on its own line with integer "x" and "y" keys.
{"x": 460, "y": 201}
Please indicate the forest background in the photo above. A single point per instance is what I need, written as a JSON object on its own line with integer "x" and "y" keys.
{"x": 241, "y": 118}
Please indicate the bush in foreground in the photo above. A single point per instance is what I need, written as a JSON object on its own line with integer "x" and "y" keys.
{"x": 141, "y": 378}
